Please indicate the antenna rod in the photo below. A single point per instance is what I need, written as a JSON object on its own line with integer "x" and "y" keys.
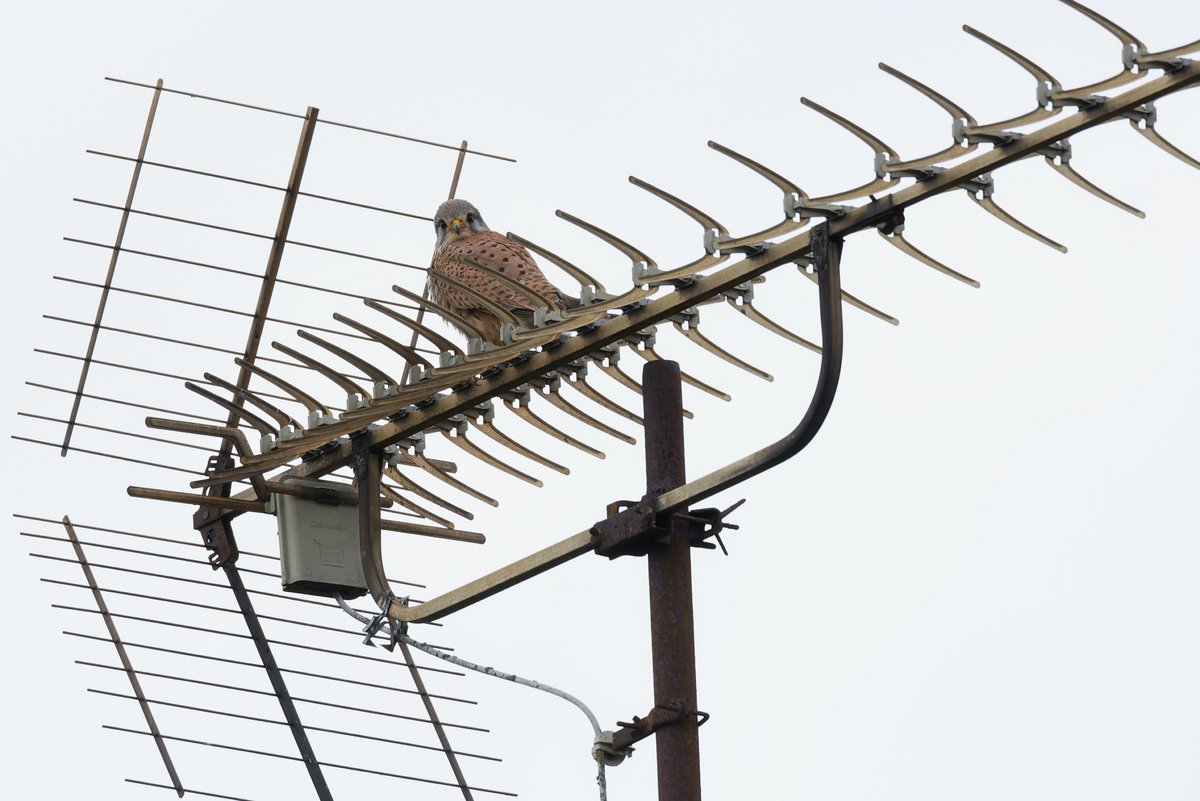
{"x": 458, "y": 165}
{"x": 123, "y": 654}
{"x": 277, "y": 683}
{"x": 274, "y": 258}
{"x": 112, "y": 268}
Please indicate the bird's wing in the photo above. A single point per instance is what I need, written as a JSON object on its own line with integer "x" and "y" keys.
{"x": 495, "y": 252}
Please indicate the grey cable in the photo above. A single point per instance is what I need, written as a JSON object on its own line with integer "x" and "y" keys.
{"x": 490, "y": 671}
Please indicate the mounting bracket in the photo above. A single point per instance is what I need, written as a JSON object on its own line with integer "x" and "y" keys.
{"x": 216, "y": 535}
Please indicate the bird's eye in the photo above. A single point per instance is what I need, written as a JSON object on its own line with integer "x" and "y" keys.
{"x": 470, "y": 218}
{"x": 439, "y": 224}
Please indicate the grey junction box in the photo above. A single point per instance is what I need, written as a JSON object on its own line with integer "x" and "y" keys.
{"x": 318, "y": 544}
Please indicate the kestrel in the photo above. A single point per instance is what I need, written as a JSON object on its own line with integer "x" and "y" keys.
{"x": 462, "y": 238}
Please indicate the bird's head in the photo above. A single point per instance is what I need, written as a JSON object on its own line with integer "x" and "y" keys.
{"x": 456, "y": 219}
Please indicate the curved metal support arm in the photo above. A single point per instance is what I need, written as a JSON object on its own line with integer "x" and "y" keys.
{"x": 827, "y": 254}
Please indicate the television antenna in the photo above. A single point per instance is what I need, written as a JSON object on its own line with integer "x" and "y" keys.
{"x": 452, "y": 392}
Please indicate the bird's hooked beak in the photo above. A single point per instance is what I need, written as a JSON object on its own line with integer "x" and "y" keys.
{"x": 457, "y": 225}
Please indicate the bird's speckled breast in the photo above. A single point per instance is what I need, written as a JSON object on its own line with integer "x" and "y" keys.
{"x": 496, "y": 252}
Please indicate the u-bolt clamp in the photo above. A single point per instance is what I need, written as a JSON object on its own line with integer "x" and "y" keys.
{"x": 709, "y": 523}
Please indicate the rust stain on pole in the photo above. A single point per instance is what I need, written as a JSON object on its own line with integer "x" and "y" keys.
{"x": 672, "y": 630}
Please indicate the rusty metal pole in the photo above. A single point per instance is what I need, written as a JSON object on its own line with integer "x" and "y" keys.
{"x": 672, "y": 632}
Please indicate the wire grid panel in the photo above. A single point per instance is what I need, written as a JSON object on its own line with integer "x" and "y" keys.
{"x": 206, "y": 686}
{"x": 180, "y": 302}
{"x": 195, "y": 247}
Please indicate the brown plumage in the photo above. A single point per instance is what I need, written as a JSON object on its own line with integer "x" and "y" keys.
{"x": 462, "y": 238}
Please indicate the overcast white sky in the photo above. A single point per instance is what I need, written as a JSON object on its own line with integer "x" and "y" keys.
{"x": 979, "y": 581}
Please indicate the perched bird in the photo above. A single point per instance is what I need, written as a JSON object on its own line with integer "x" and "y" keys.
{"x": 463, "y": 238}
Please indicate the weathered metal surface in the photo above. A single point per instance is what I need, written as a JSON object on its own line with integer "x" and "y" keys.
{"x": 212, "y": 521}
{"x": 642, "y": 727}
{"x": 672, "y": 624}
{"x": 627, "y": 528}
